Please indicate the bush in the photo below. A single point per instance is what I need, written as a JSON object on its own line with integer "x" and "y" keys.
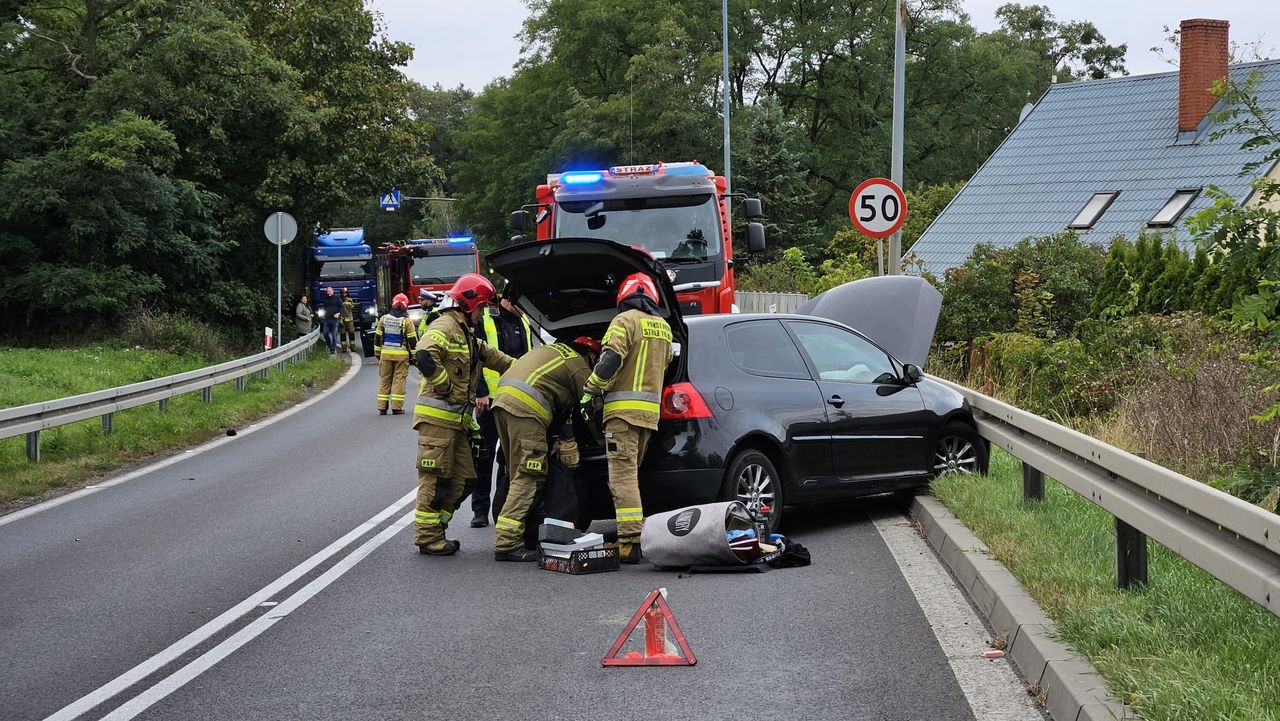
{"x": 177, "y": 334}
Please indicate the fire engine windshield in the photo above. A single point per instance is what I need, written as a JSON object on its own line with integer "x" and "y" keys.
{"x": 345, "y": 270}
{"x": 672, "y": 227}
{"x": 442, "y": 268}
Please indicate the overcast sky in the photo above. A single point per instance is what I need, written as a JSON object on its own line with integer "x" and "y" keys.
{"x": 471, "y": 42}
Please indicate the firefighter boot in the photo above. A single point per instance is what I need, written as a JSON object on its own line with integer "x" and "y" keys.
{"x": 629, "y": 552}
{"x": 443, "y": 547}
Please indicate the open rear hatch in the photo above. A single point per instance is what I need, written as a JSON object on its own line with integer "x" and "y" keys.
{"x": 569, "y": 286}
{"x": 899, "y": 312}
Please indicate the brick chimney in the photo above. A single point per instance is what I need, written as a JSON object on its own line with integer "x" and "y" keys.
{"x": 1203, "y": 62}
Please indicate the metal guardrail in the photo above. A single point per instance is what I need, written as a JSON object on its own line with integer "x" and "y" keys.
{"x": 762, "y": 302}
{"x": 35, "y": 417}
{"x": 1233, "y": 540}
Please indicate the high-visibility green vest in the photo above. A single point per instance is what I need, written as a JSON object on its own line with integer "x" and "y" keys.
{"x": 491, "y": 337}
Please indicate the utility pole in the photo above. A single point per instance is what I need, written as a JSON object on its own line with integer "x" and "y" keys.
{"x": 728, "y": 175}
{"x": 899, "y": 86}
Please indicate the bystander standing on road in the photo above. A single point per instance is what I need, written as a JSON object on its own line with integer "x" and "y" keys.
{"x": 302, "y": 315}
{"x": 427, "y": 301}
{"x": 506, "y": 329}
{"x": 331, "y": 316}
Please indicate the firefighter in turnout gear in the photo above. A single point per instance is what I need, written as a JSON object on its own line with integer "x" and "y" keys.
{"x": 427, "y": 301}
{"x": 535, "y": 398}
{"x": 348, "y": 324}
{"x": 449, "y": 359}
{"x": 393, "y": 341}
{"x": 503, "y": 327}
{"x": 629, "y": 374}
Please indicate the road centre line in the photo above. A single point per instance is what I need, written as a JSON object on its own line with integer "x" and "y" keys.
{"x": 210, "y": 658}
{"x": 180, "y": 455}
{"x": 202, "y": 634}
{"x": 992, "y": 688}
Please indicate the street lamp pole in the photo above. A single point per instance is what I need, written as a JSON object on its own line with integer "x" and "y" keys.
{"x": 728, "y": 175}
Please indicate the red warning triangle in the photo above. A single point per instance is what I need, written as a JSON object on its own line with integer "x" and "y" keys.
{"x": 657, "y": 618}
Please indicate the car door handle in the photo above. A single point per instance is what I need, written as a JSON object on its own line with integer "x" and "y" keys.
{"x": 835, "y": 400}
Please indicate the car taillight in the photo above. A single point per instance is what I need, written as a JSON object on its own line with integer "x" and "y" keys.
{"x": 682, "y": 402}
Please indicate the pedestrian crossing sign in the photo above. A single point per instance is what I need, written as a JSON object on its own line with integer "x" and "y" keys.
{"x": 390, "y": 201}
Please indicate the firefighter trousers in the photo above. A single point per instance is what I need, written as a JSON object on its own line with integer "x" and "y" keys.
{"x": 445, "y": 472}
{"x": 348, "y": 329}
{"x": 392, "y": 374}
{"x": 624, "y": 447}
{"x": 524, "y": 441}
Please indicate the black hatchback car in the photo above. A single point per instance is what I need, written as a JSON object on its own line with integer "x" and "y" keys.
{"x": 774, "y": 410}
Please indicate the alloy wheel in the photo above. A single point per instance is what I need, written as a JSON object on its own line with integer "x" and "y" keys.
{"x": 955, "y": 455}
{"x": 755, "y": 488}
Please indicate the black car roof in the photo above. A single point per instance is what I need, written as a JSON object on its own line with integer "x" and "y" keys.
{"x": 699, "y": 324}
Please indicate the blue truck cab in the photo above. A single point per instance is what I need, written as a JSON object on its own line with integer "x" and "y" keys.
{"x": 340, "y": 259}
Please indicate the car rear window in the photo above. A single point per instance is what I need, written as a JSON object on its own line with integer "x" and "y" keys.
{"x": 763, "y": 348}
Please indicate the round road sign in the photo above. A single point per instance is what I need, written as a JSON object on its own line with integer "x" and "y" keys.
{"x": 280, "y": 228}
{"x": 878, "y": 207}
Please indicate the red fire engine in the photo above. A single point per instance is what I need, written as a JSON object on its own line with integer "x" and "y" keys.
{"x": 676, "y": 211}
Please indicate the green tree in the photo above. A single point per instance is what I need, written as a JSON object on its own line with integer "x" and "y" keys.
{"x": 773, "y": 168}
{"x": 1115, "y": 296}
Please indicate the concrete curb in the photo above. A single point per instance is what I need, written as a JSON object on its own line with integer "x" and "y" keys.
{"x": 1073, "y": 690}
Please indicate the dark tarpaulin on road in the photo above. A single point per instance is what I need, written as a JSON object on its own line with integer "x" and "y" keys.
{"x": 899, "y": 312}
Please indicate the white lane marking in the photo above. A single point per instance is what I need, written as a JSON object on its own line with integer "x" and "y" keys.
{"x": 190, "y": 452}
{"x": 993, "y": 689}
{"x": 210, "y": 658}
{"x": 200, "y": 635}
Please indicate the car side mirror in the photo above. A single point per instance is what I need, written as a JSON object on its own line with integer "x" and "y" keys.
{"x": 520, "y": 220}
{"x": 755, "y": 238}
{"x": 911, "y": 373}
{"x": 752, "y": 208}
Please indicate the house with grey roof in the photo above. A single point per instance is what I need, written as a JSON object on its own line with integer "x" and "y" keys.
{"x": 1120, "y": 156}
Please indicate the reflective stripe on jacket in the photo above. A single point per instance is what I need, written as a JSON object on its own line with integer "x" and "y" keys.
{"x": 634, "y": 391}
{"x": 394, "y": 337}
{"x": 446, "y": 393}
{"x": 543, "y": 384}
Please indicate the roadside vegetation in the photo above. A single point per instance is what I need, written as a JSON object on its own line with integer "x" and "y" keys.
{"x": 147, "y": 346}
{"x": 77, "y": 452}
{"x": 1154, "y": 350}
{"x": 1186, "y": 648}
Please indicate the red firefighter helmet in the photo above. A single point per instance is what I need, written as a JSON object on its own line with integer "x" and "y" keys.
{"x": 587, "y": 342}
{"x": 638, "y": 282}
{"x": 471, "y": 290}
{"x": 400, "y": 301}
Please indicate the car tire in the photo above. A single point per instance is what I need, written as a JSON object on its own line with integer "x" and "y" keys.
{"x": 960, "y": 450}
{"x": 752, "y": 479}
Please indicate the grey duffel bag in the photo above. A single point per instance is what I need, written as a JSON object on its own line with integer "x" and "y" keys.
{"x": 694, "y": 536}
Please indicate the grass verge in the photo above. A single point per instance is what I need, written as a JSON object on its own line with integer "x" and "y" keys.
{"x": 76, "y": 452}
{"x": 1187, "y": 648}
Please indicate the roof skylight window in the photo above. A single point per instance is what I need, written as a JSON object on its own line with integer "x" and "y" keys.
{"x": 1093, "y": 210}
{"x": 1174, "y": 208}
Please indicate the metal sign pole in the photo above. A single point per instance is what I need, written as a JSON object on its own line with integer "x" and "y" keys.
{"x": 899, "y": 82}
{"x": 279, "y": 288}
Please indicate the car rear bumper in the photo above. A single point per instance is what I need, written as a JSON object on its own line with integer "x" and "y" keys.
{"x": 667, "y": 490}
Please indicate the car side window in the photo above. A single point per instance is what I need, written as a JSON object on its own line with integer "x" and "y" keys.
{"x": 839, "y": 355}
{"x": 763, "y": 348}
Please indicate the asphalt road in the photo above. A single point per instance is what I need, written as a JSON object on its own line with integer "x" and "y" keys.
{"x": 95, "y": 587}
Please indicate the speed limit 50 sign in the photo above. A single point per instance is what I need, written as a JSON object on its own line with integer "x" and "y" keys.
{"x": 878, "y": 207}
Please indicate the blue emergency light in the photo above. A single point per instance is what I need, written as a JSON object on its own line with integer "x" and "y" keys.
{"x": 461, "y": 239}
{"x": 581, "y": 178}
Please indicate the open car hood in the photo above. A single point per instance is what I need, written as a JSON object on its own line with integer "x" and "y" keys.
{"x": 899, "y": 312}
{"x": 569, "y": 286}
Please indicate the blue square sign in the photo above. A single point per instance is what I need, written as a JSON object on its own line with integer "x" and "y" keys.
{"x": 390, "y": 201}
